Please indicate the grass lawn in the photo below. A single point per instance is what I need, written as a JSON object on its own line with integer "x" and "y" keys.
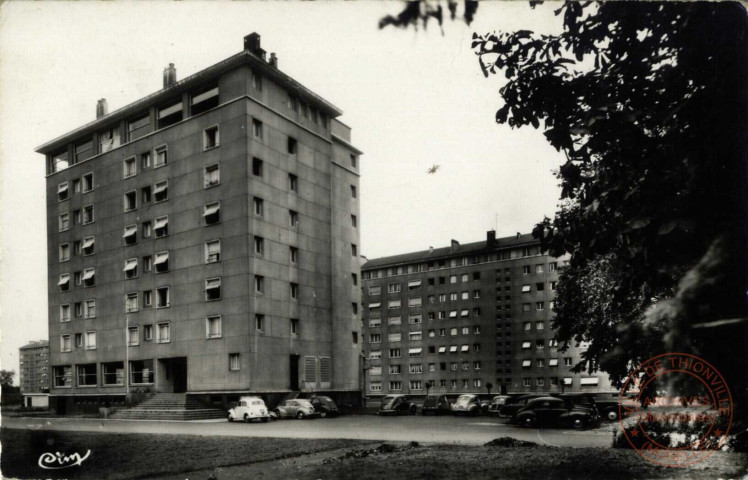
{"x": 125, "y": 456}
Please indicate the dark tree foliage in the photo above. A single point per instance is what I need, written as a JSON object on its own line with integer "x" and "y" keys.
{"x": 648, "y": 103}
{"x": 423, "y": 11}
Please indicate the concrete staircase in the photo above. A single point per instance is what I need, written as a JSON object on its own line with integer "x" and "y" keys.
{"x": 169, "y": 406}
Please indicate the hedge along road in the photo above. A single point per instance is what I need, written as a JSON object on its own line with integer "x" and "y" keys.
{"x": 463, "y": 430}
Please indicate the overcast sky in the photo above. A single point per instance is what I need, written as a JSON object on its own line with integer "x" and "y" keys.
{"x": 413, "y": 99}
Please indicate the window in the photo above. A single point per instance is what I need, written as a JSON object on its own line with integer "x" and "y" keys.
{"x": 353, "y": 191}
{"x": 293, "y": 218}
{"x": 540, "y": 363}
{"x": 453, "y": 279}
{"x": 147, "y": 298}
{"x": 88, "y": 214}
{"x": 354, "y": 160}
{"x": 527, "y": 326}
{"x": 88, "y": 182}
{"x": 526, "y": 345}
{"x": 375, "y": 386}
{"x": 145, "y": 195}
{"x": 213, "y": 327}
{"x": 234, "y": 362}
{"x": 130, "y": 235}
{"x": 415, "y": 302}
{"x": 414, "y": 285}
{"x": 211, "y": 176}
{"x": 393, "y": 288}
{"x": 539, "y": 325}
{"x": 539, "y": 268}
{"x": 526, "y": 270}
{"x": 295, "y": 291}
{"x": 62, "y": 191}
{"x": 354, "y": 250}
{"x": 147, "y": 263}
{"x": 259, "y": 322}
{"x": 375, "y": 322}
{"x": 213, "y": 289}
{"x": 396, "y": 386}
{"x": 375, "y": 290}
{"x": 131, "y": 268}
{"x": 539, "y": 306}
{"x": 161, "y": 226}
{"x": 415, "y": 336}
{"x": 293, "y": 183}
{"x": 525, "y": 307}
{"x": 162, "y": 297}
{"x": 589, "y": 381}
{"x": 256, "y": 167}
{"x": 259, "y": 245}
{"x": 525, "y": 288}
{"x": 442, "y": 297}
{"x": 393, "y": 304}
{"x": 163, "y": 333}
{"x": 136, "y": 128}
{"x": 78, "y": 340}
{"x": 395, "y": 353}
{"x": 64, "y": 252}
{"x": 256, "y": 81}
{"x": 90, "y": 340}
{"x": 553, "y": 362}
{"x": 78, "y": 278}
{"x": 131, "y": 302}
{"x": 77, "y": 217}
{"x": 416, "y": 385}
{"x": 394, "y": 320}
{"x": 476, "y": 347}
{"x": 213, "y": 251}
{"x": 161, "y": 262}
{"x": 65, "y": 343}
{"x": 89, "y": 277}
{"x": 131, "y": 200}
{"x": 295, "y": 327}
{"x": 130, "y": 167}
{"x": 394, "y": 337}
{"x": 76, "y": 185}
{"x": 292, "y": 146}
{"x": 552, "y": 285}
{"x": 161, "y": 191}
{"x": 257, "y": 129}
{"x": 567, "y": 361}
{"x": 294, "y": 253}
{"x": 133, "y": 336}
{"x": 212, "y": 213}
{"x": 78, "y": 307}
{"x": 375, "y": 338}
{"x": 161, "y": 157}
{"x": 210, "y": 137}
{"x": 204, "y": 99}
{"x": 145, "y": 160}
{"x": 65, "y": 313}
{"x": 113, "y": 373}
{"x": 259, "y": 206}
{"x": 552, "y": 266}
{"x": 169, "y": 114}
{"x": 415, "y": 319}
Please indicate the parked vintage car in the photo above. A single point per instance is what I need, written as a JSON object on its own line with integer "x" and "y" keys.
{"x": 248, "y": 409}
{"x": 324, "y": 405}
{"x": 436, "y": 405}
{"x": 513, "y": 405}
{"x": 296, "y": 408}
{"x": 554, "y": 411}
{"x": 496, "y": 403}
{"x": 397, "y": 405}
{"x": 467, "y": 405}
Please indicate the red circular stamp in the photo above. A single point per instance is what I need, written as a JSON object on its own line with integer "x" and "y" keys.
{"x": 675, "y": 409}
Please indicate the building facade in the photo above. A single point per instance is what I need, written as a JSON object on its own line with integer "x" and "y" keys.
{"x": 204, "y": 240}
{"x": 34, "y": 367}
{"x": 465, "y": 316}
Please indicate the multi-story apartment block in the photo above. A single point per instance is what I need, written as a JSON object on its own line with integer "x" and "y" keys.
{"x": 203, "y": 239}
{"x": 34, "y": 367}
{"x": 463, "y": 316}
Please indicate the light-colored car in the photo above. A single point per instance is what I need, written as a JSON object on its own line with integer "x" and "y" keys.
{"x": 248, "y": 409}
{"x": 467, "y": 405}
{"x": 296, "y": 408}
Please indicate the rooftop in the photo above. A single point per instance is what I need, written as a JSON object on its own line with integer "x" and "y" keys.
{"x": 36, "y": 344}
{"x": 455, "y": 250}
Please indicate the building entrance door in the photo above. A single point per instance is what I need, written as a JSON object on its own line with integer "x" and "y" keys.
{"x": 294, "y": 370}
{"x": 179, "y": 370}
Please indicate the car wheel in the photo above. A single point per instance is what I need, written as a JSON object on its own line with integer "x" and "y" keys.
{"x": 323, "y": 414}
{"x": 612, "y": 415}
{"x": 528, "y": 422}
{"x": 413, "y": 410}
{"x": 265, "y": 419}
{"x": 300, "y": 415}
{"x": 246, "y": 418}
{"x": 230, "y": 418}
{"x": 577, "y": 423}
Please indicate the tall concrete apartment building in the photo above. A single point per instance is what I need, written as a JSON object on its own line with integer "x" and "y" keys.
{"x": 34, "y": 367}
{"x": 463, "y": 316}
{"x": 204, "y": 239}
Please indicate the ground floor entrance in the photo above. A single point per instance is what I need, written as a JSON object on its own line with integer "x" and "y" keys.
{"x": 172, "y": 375}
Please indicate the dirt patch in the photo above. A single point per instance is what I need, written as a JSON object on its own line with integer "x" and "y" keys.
{"x": 508, "y": 442}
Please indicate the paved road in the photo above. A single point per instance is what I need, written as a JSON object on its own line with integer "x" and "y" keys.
{"x": 472, "y": 430}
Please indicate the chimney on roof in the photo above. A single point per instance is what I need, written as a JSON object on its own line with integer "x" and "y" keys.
{"x": 273, "y": 60}
{"x": 101, "y": 108}
{"x": 491, "y": 238}
{"x": 170, "y": 75}
{"x": 455, "y": 246}
{"x": 518, "y": 235}
{"x": 431, "y": 249}
{"x": 252, "y": 45}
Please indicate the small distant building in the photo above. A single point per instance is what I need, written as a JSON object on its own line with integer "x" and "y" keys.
{"x": 34, "y": 373}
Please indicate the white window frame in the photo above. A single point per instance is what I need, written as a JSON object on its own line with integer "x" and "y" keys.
{"x": 213, "y": 319}
{"x": 216, "y": 137}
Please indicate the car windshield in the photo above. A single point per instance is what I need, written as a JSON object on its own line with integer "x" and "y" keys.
{"x": 303, "y": 403}
{"x": 387, "y": 401}
{"x": 463, "y": 399}
{"x": 257, "y": 402}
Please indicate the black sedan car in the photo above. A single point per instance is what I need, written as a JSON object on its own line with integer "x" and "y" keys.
{"x": 397, "y": 405}
{"x": 556, "y": 412}
{"x": 513, "y": 405}
{"x": 324, "y": 405}
{"x": 436, "y": 405}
